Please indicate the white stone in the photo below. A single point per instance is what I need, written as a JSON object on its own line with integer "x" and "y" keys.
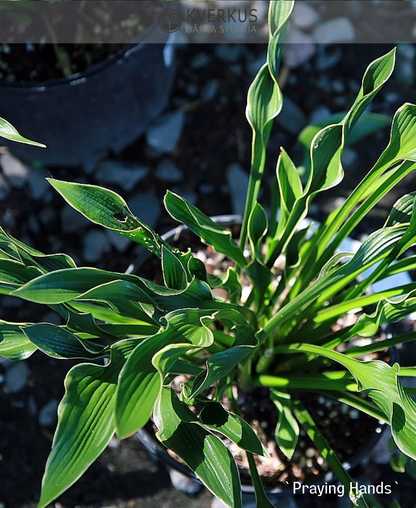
{"x": 299, "y": 49}
{"x": 14, "y": 170}
{"x": 116, "y": 172}
{"x": 16, "y": 377}
{"x": 334, "y": 30}
{"x": 95, "y": 243}
{"x": 165, "y": 134}
{"x": 168, "y": 172}
{"x": 47, "y": 415}
{"x": 304, "y": 15}
{"x": 237, "y": 183}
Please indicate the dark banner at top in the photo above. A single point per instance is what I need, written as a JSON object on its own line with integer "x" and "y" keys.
{"x": 233, "y": 21}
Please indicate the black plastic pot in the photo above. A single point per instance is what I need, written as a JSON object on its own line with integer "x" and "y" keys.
{"x": 158, "y": 452}
{"x": 88, "y": 114}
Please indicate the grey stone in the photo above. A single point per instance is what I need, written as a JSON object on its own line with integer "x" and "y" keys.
{"x": 256, "y": 64}
{"x": 72, "y": 221}
{"x": 117, "y": 172}
{"x": 95, "y": 243}
{"x": 299, "y": 49}
{"x": 119, "y": 242}
{"x": 33, "y": 224}
{"x": 14, "y": 170}
{"x": 16, "y": 377}
{"x": 229, "y": 52}
{"x": 47, "y": 215}
{"x": 165, "y": 134}
{"x": 325, "y": 60}
{"x": 200, "y": 61}
{"x": 183, "y": 483}
{"x": 304, "y": 16}
{"x": 291, "y": 117}
{"x": 237, "y": 183}
{"x": 146, "y": 206}
{"x": 210, "y": 90}
{"x": 168, "y": 172}
{"x": 349, "y": 157}
{"x": 405, "y": 63}
{"x": 4, "y": 187}
{"x": 47, "y": 415}
{"x": 319, "y": 114}
{"x": 38, "y": 185}
{"x": 334, "y": 30}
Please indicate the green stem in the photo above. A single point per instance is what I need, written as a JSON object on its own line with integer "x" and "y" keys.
{"x": 256, "y": 174}
{"x": 339, "y": 381}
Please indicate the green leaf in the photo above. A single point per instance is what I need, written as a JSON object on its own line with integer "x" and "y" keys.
{"x": 7, "y": 131}
{"x": 290, "y": 186}
{"x": 203, "y": 452}
{"x": 368, "y": 124}
{"x": 108, "y": 209}
{"x": 221, "y": 364}
{"x": 174, "y": 273}
{"x": 209, "y": 231}
{"x": 261, "y": 497}
{"x": 142, "y": 376}
{"x": 381, "y": 383}
{"x": 214, "y": 417}
{"x": 14, "y": 344}
{"x": 85, "y": 423}
{"x": 59, "y": 343}
{"x": 287, "y": 428}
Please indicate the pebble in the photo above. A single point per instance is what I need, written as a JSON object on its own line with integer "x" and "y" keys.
{"x": 210, "y": 90}
{"x": 237, "y": 183}
{"x": 405, "y": 71}
{"x": 183, "y": 483}
{"x": 146, "y": 206}
{"x": 229, "y": 53}
{"x": 319, "y": 114}
{"x": 33, "y": 224}
{"x": 117, "y": 172}
{"x": 325, "y": 60}
{"x": 256, "y": 64}
{"x": 47, "y": 215}
{"x": 164, "y": 135}
{"x": 167, "y": 171}
{"x": 16, "y": 377}
{"x": 47, "y": 415}
{"x": 334, "y": 30}
{"x": 72, "y": 221}
{"x": 200, "y": 61}
{"x": 291, "y": 117}
{"x": 299, "y": 49}
{"x": 4, "y": 187}
{"x": 119, "y": 242}
{"x": 95, "y": 243}
{"x": 349, "y": 157}
{"x": 14, "y": 170}
{"x": 38, "y": 185}
{"x": 304, "y": 16}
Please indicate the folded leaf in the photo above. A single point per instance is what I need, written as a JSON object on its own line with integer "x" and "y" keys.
{"x": 209, "y": 231}
{"x": 203, "y": 452}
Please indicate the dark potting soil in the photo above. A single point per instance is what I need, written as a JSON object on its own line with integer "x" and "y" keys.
{"x": 41, "y": 61}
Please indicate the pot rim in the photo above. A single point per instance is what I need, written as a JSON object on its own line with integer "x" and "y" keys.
{"x": 157, "y": 450}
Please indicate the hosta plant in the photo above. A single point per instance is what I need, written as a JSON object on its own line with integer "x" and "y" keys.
{"x": 135, "y": 336}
